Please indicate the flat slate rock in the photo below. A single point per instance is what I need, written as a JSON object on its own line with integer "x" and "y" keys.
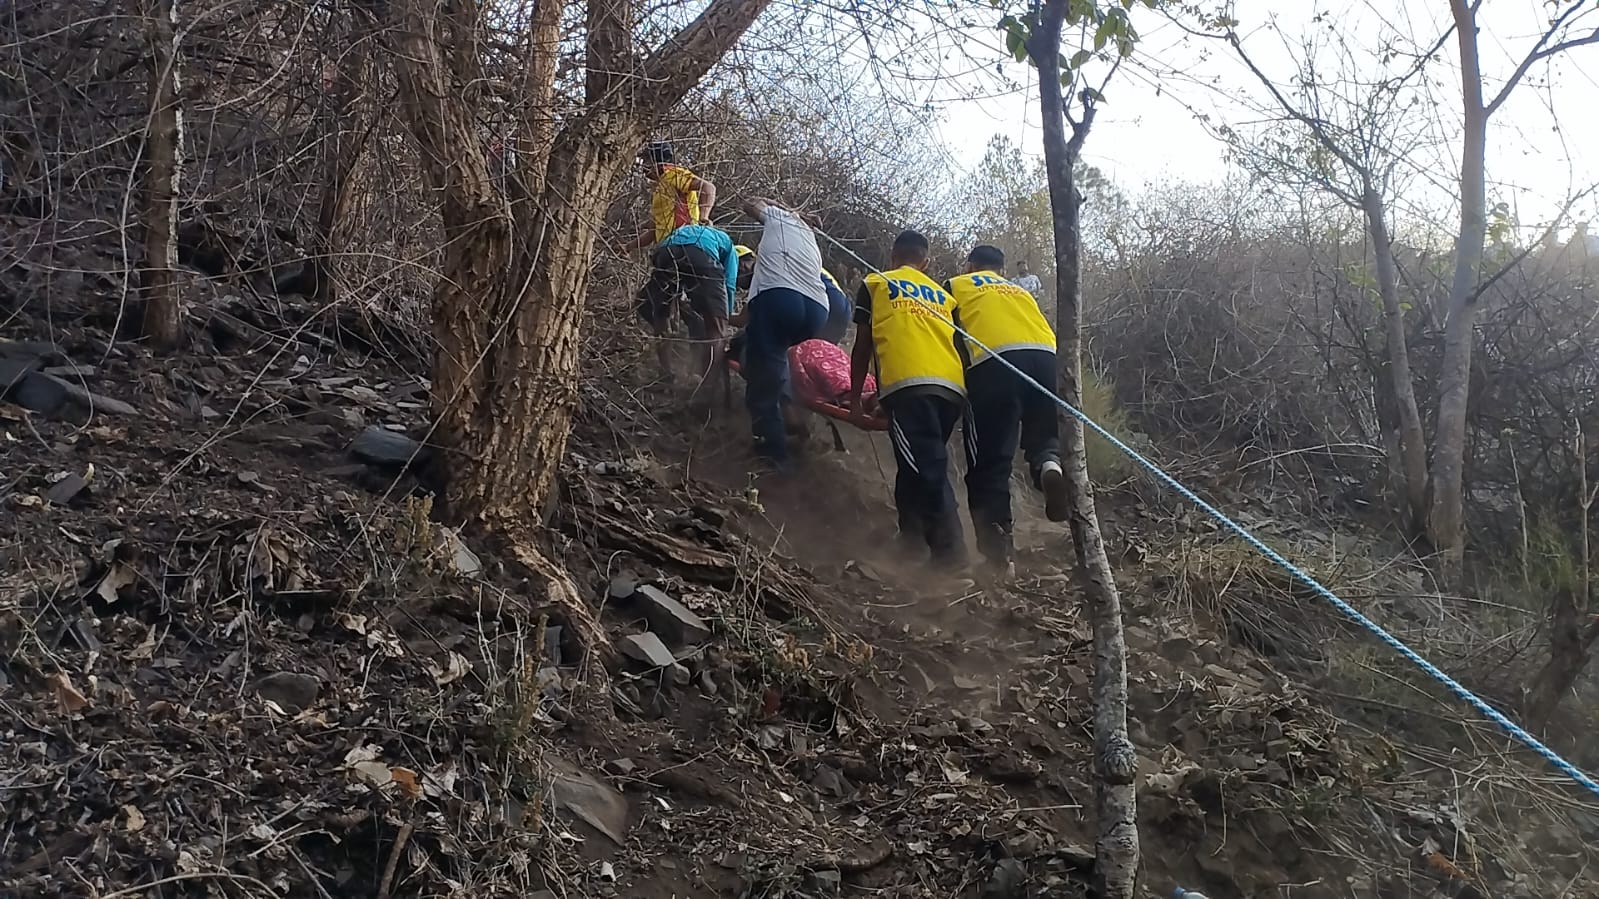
{"x": 40, "y": 393}
{"x": 65, "y": 490}
{"x": 649, "y": 649}
{"x": 42, "y": 349}
{"x": 94, "y": 402}
{"x": 623, "y": 586}
{"x": 675, "y": 622}
{"x": 73, "y": 371}
{"x": 14, "y": 368}
{"x": 378, "y": 445}
{"x": 591, "y": 800}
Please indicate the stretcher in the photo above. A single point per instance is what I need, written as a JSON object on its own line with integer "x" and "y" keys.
{"x": 832, "y": 410}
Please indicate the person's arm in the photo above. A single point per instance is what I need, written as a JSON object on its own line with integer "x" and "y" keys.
{"x": 960, "y": 342}
{"x": 707, "y": 195}
{"x": 645, "y": 237}
{"x": 730, "y": 269}
{"x": 860, "y": 357}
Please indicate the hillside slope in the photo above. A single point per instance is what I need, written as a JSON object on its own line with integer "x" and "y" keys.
{"x": 240, "y": 658}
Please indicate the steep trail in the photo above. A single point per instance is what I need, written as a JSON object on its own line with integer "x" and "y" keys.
{"x": 835, "y": 515}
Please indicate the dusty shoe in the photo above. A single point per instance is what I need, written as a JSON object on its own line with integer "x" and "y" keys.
{"x": 1057, "y": 499}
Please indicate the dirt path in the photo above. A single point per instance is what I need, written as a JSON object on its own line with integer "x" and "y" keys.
{"x": 958, "y": 639}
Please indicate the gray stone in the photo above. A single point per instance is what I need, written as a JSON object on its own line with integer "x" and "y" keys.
{"x": 670, "y": 618}
{"x": 378, "y": 445}
{"x": 623, "y": 586}
{"x": 81, "y": 372}
{"x": 462, "y": 558}
{"x": 292, "y": 692}
{"x": 94, "y": 402}
{"x": 825, "y": 883}
{"x": 1009, "y": 881}
{"x": 13, "y": 370}
{"x": 40, "y": 393}
{"x": 552, "y": 644}
{"x": 595, "y": 803}
{"x": 649, "y": 649}
{"x": 43, "y": 349}
{"x": 65, "y": 490}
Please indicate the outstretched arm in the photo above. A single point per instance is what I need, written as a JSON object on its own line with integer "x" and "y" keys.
{"x": 707, "y": 196}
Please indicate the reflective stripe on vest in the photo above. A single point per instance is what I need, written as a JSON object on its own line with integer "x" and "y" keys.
{"x": 912, "y": 332}
{"x": 1000, "y": 315}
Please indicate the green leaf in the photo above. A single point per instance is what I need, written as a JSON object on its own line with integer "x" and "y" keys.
{"x": 1093, "y": 94}
{"x": 1065, "y": 76}
{"x": 1081, "y": 58}
{"x": 1103, "y": 33}
{"x": 1015, "y": 45}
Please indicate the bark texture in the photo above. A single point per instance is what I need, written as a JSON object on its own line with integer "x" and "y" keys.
{"x": 163, "y": 174}
{"x": 1446, "y": 520}
{"x": 1412, "y": 439}
{"x": 344, "y": 138}
{"x": 509, "y": 301}
{"x": 1446, "y": 523}
{"x": 1115, "y": 759}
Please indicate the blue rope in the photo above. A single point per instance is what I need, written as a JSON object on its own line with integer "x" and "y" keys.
{"x": 1453, "y": 686}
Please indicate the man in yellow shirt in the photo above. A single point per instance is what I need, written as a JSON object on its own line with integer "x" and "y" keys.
{"x": 905, "y": 318}
{"x": 680, "y": 197}
{"x": 1006, "y": 411}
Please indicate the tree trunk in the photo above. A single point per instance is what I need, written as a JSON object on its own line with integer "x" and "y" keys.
{"x": 509, "y": 301}
{"x": 1446, "y": 524}
{"x": 1115, "y": 759}
{"x": 1412, "y": 440}
{"x": 163, "y": 312}
{"x": 344, "y": 139}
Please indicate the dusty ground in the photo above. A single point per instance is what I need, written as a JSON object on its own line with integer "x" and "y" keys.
{"x": 241, "y": 661}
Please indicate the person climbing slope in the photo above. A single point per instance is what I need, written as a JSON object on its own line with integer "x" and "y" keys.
{"x": 698, "y": 262}
{"x": 904, "y": 317}
{"x": 679, "y": 197}
{"x": 787, "y": 306}
{"x": 1006, "y": 411}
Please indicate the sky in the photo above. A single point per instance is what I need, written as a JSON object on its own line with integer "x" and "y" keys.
{"x": 1543, "y": 144}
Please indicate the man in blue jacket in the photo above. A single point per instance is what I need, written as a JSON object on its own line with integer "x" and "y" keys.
{"x": 697, "y": 262}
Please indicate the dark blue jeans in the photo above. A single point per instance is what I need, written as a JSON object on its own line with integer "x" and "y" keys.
{"x": 779, "y": 318}
{"x": 839, "y": 312}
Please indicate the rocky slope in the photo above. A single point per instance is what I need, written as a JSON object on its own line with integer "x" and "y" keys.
{"x": 238, "y": 656}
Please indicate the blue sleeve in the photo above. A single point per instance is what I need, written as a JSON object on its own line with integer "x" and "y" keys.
{"x": 730, "y": 267}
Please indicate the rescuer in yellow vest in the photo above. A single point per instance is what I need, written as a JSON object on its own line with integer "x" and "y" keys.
{"x": 906, "y": 319}
{"x": 1006, "y": 411}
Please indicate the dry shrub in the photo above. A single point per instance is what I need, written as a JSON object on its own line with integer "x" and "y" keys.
{"x": 1228, "y": 319}
{"x": 1106, "y": 463}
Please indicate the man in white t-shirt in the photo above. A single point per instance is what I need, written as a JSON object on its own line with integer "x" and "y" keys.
{"x": 788, "y": 305}
{"x": 1027, "y": 281}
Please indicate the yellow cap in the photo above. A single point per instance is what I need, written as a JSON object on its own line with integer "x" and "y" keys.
{"x": 742, "y": 250}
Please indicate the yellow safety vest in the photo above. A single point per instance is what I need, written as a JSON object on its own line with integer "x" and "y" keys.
{"x": 999, "y": 315}
{"x": 829, "y": 280}
{"x": 912, "y": 332}
{"x": 673, "y": 203}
